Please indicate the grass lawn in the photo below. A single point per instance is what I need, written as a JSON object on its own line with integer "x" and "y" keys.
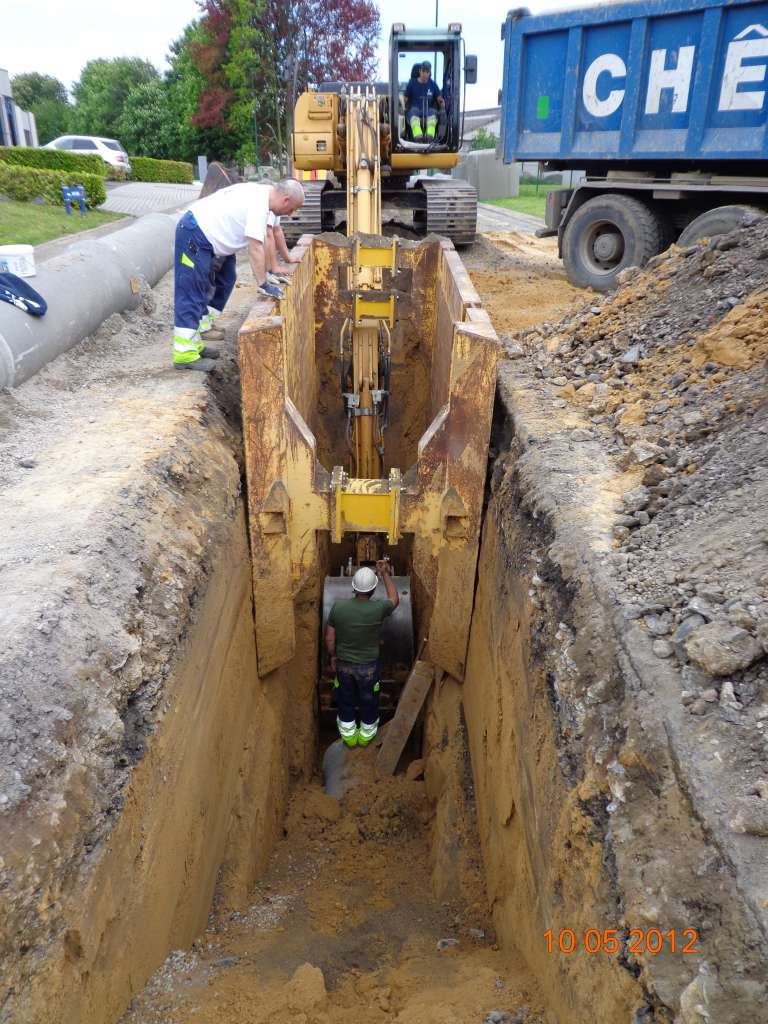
{"x": 30, "y": 224}
{"x": 528, "y": 201}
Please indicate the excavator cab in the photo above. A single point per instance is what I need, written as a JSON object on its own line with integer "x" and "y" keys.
{"x": 443, "y": 49}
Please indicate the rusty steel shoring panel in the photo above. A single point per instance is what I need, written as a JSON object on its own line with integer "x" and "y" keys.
{"x": 293, "y": 500}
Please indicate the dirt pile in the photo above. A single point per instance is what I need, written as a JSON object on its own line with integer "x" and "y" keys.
{"x": 671, "y": 373}
{"x": 623, "y": 573}
{"x": 343, "y": 928}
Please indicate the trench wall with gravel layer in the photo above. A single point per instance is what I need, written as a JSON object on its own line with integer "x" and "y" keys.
{"x": 617, "y": 687}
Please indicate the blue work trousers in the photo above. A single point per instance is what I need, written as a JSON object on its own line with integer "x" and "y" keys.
{"x": 200, "y": 278}
{"x": 358, "y": 688}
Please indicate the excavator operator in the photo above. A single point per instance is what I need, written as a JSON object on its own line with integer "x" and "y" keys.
{"x": 352, "y": 641}
{"x": 422, "y": 99}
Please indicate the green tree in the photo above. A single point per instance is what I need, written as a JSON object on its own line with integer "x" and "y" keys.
{"x": 46, "y": 97}
{"x": 102, "y": 91}
{"x": 147, "y": 126}
{"x": 483, "y": 140}
{"x": 255, "y": 56}
{"x": 186, "y": 85}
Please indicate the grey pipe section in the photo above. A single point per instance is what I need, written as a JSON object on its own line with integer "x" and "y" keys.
{"x": 83, "y": 286}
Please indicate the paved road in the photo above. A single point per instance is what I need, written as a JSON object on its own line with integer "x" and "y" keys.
{"x": 496, "y": 218}
{"x": 139, "y": 197}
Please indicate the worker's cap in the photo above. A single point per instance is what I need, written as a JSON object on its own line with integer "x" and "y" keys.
{"x": 426, "y": 66}
{"x": 364, "y": 581}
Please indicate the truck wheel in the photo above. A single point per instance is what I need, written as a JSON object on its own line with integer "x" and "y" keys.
{"x": 607, "y": 234}
{"x": 719, "y": 221}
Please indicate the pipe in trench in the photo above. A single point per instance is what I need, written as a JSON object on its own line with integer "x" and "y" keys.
{"x": 83, "y": 286}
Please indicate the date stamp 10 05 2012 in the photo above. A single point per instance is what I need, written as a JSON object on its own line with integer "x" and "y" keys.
{"x": 611, "y": 940}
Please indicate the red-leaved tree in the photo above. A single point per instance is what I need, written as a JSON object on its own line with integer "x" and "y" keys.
{"x": 257, "y": 55}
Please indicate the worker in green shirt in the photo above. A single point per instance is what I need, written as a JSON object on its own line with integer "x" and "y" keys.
{"x": 352, "y": 640}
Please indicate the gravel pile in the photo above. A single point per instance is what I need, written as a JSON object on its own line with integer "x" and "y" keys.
{"x": 670, "y": 375}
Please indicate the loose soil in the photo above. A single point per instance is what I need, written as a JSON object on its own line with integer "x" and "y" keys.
{"x": 520, "y": 280}
{"x": 343, "y": 928}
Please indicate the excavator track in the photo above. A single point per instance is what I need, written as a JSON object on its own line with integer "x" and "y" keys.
{"x": 309, "y": 219}
{"x": 451, "y": 209}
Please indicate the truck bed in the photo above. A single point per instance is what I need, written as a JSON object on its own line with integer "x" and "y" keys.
{"x": 671, "y": 80}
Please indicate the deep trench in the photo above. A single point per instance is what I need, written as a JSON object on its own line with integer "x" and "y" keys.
{"x": 443, "y": 736}
{"x": 223, "y": 810}
{"x": 510, "y": 807}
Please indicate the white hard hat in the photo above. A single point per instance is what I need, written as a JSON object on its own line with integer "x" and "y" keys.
{"x": 364, "y": 581}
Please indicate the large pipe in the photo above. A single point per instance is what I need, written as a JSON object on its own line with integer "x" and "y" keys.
{"x": 89, "y": 282}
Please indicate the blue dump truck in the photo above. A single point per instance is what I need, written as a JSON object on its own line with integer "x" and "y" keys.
{"x": 662, "y": 103}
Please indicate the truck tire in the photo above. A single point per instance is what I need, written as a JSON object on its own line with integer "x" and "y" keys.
{"x": 607, "y": 234}
{"x": 718, "y": 221}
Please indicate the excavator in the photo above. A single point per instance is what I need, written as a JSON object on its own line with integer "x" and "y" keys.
{"x": 379, "y": 356}
{"x": 420, "y": 204}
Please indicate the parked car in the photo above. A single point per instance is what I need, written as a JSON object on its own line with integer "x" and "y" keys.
{"x": 110, "y": 150}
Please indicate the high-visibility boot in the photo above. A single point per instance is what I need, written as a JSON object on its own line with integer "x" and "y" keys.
{"x": 187, "y": 345}
{"x": 348, "y": 732}
{"x": 366, "y": 733}
{"x": 208, "y": 326}
{"x": 431, "y": 126}
{"x": 416, "y": 131}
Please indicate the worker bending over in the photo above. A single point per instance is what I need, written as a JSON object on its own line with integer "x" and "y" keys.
{"x": 352, "y": 640}
{"x": 207, "y": 238}
{"x": 422, "y": 98}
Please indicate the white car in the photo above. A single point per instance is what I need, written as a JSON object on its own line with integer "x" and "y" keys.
{"x": 110, "y": 150}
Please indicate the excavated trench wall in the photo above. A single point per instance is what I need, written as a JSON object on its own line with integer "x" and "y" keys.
{"x": 588, "y": 815}
{"x": 161, "y": 761}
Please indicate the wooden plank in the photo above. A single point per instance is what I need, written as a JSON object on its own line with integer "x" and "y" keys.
{"x": 411, "y": 702}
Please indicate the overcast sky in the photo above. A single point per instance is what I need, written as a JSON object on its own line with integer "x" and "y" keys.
{"x": 37, "y": 35}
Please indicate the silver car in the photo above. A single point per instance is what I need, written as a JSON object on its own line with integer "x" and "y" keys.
{"x": 110, "y": 150}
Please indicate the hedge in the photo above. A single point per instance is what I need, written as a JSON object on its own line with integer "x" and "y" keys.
{"x": 115, "y": 173}
{"x": 53, "y": 159}
{"x": 145, "y": 168}
{"x": 27, "y": 183}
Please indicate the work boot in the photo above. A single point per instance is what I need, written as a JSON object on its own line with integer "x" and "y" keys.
{"x": 366, "y": 733}
{"x": 348, "y": 732}
{"x": 203, "y": 365}
{"x": 213, "y": 334}
{"x": 209, "y": 352}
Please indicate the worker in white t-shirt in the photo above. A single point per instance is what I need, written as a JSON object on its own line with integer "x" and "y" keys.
{"x": 207, "y": 238}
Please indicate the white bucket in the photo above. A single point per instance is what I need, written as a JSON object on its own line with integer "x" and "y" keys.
{"x": 18, "y": 259}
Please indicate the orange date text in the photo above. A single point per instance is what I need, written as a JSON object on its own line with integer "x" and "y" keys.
{"x": 611, "y": 941}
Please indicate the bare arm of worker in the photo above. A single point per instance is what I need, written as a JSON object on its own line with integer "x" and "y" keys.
{"x": 270, "y": 246}
{"x": 440, "y": 101}
{"x": 257, "y": 256}
{"x": 282, "y": 247}
{"x": 382, "y": 567}
{"x": 330, "y": 645}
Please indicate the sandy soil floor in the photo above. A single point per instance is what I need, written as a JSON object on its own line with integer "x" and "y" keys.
{"x": 343, "y": 928}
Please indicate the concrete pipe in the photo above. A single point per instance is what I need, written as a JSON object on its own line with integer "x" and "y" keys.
{"x": 88, "y": 283}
